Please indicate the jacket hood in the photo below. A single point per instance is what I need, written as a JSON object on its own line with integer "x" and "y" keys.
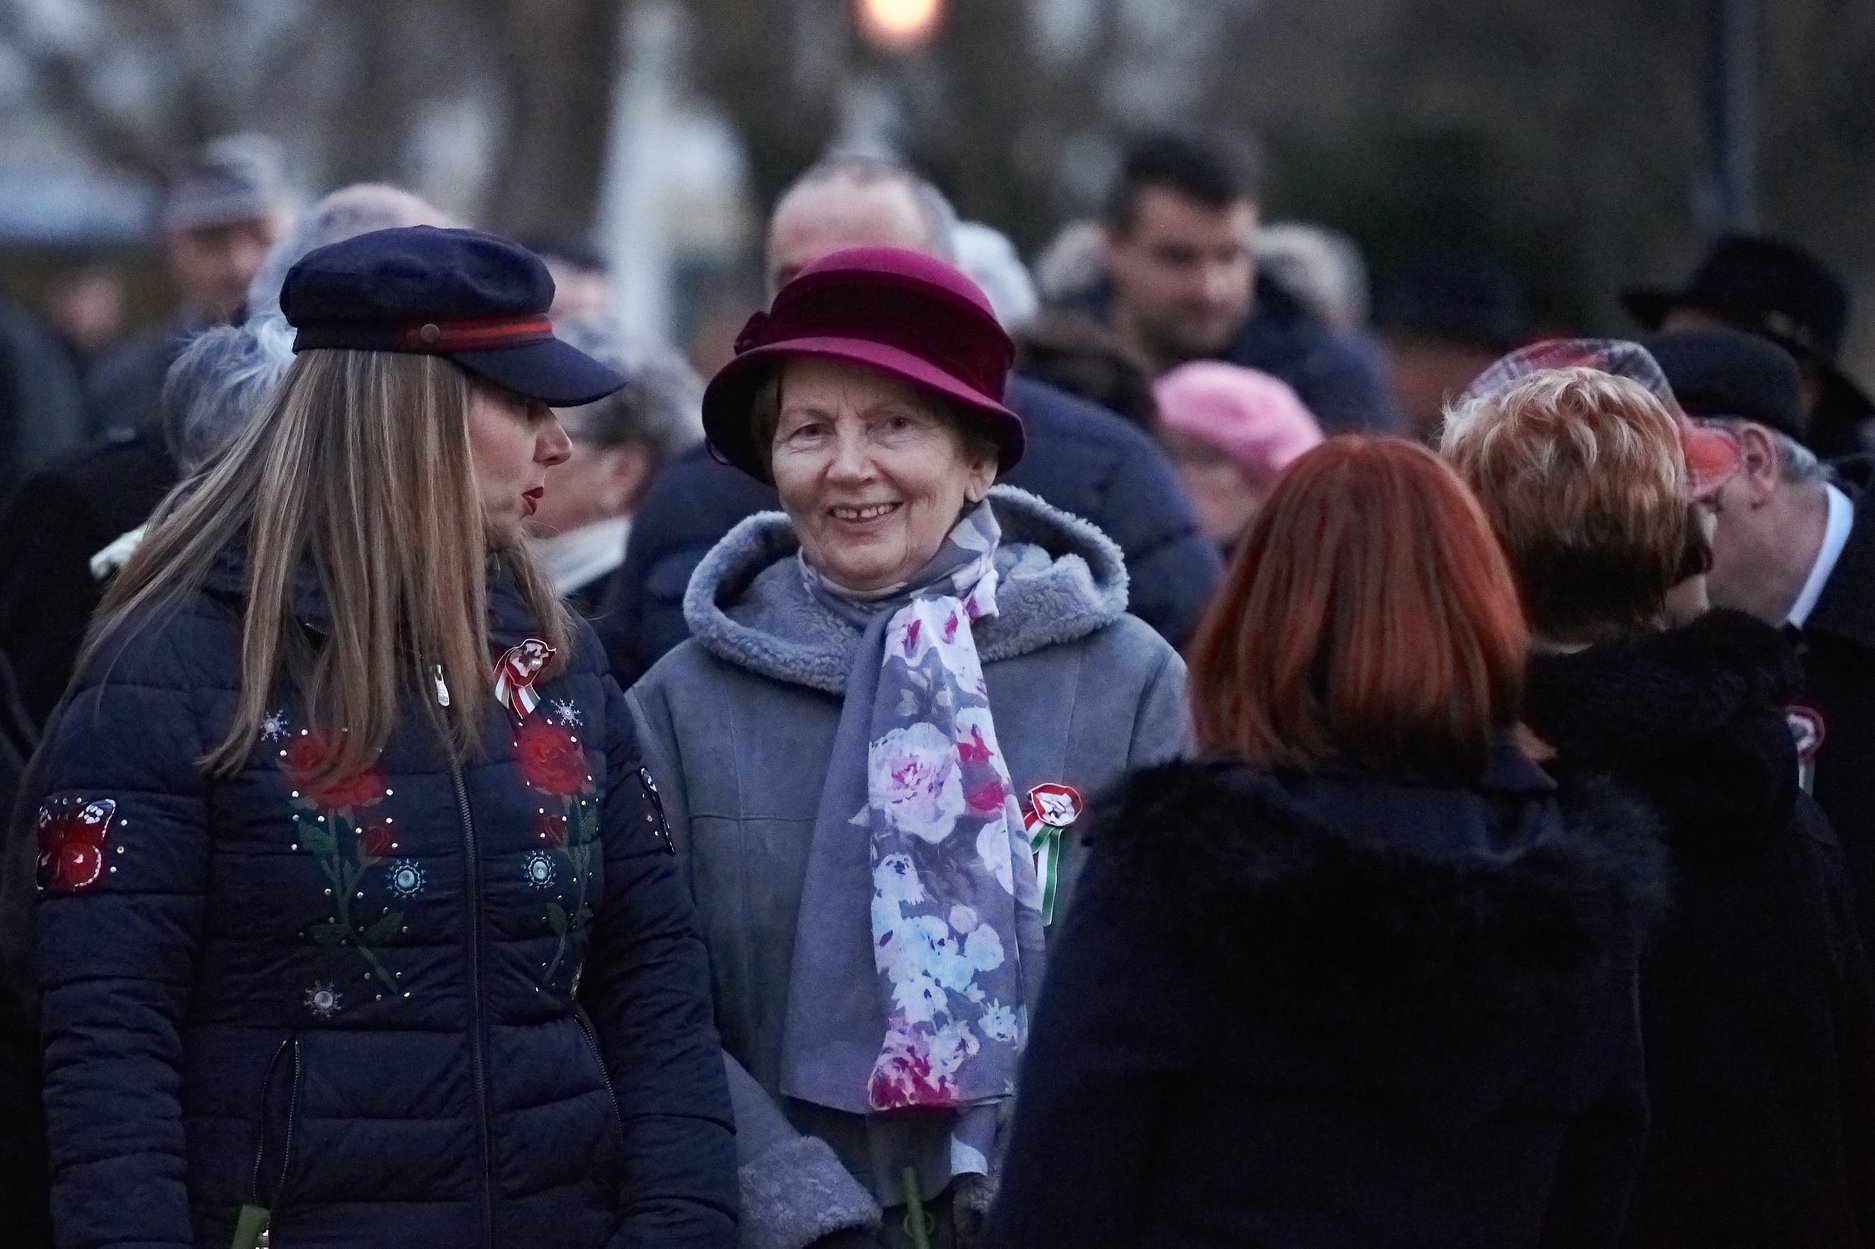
{"x": 1408, "y": 929}
{"x": 1062, "y": 579}
{"x": 1692, "y": 719}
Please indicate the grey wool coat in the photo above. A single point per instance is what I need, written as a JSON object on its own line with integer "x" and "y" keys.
{"x": 737, "y": 725}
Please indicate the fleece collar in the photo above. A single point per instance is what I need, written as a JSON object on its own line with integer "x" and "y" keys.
{"x": 1062, "y": 579}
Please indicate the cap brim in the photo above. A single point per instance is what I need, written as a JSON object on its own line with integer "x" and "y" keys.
{"x": 731, "y": 394}
{"x": 1649, "y": 307}
{"x": 1713, "y": 457}
{"x": 556, "y": 373}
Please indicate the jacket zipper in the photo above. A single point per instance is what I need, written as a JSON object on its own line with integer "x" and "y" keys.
{"x": 592, "y": 1044}
{"x": 255, "y": 1195}
{"x": 472, "y": 876}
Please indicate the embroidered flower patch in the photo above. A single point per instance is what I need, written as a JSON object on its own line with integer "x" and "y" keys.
{"x": 73, "y": 833}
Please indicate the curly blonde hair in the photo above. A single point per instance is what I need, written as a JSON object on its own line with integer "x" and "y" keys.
{"x": 1583, "y": 477}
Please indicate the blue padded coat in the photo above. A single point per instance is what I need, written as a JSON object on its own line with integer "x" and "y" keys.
{"x": 427, "y": 1004}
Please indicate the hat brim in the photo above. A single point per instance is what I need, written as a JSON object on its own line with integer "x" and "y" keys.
{"x": 556, "y": 373}
{"x": 1650, "y": 307}
{"x": 731, "y": 395}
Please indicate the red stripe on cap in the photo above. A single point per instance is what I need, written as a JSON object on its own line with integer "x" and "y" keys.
{"x": 474, "y": 333}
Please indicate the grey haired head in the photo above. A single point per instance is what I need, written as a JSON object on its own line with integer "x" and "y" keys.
{"x": 661, "y": 403}
{"x": 220, "y": 382}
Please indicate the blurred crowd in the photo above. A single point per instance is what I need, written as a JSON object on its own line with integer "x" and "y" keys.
{"x": 1662, "y": 834}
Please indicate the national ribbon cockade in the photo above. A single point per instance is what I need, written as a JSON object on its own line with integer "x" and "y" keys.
{"x": 515, "y": 674}
{"x": 1052, "y": 808}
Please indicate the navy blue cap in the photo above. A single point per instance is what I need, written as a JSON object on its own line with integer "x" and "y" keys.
{"x": 473, "y": 298}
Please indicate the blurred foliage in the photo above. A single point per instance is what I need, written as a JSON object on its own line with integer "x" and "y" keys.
{"x": 1570, "y": 143}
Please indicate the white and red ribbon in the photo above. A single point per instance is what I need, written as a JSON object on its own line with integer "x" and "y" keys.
{"x": 515, "y": 674}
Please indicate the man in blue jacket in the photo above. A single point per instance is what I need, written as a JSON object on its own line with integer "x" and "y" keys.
{"x": 1179, "y": 250}
{"x": 1081, "y": 458}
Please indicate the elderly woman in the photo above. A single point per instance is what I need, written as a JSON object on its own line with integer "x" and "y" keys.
{"x": 1756, "y": 1003}
{"x": 877, "y": 748}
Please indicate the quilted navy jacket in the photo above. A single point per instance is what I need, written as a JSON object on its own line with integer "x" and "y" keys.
{"x": 422, "y": 1005}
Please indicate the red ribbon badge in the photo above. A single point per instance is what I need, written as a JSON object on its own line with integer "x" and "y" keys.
{"x": 516, "y": 673}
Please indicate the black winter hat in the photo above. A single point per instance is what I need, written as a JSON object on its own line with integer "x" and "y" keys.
{"x": 1774, "y": 290}
{"x": 473, "y": 298}
{"x": 1726, "y": 373}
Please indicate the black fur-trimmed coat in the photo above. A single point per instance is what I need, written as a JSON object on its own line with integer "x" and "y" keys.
{"x": 1331, "y": 1010}
{"x": 1756, "y": 1000}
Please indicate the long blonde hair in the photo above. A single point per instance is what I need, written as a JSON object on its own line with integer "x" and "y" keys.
{"x": 359, "y": 468}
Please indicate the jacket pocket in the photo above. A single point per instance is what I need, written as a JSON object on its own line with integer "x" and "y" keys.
{"x": 605, "y": 1077}
{"x": 277, "y": 1124}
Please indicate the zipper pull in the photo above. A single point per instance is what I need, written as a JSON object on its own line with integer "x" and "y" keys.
{"x": 442, "y": 688}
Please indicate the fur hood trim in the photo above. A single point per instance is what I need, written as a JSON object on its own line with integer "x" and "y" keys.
{"x": 1393, "y": 908}
{"x": 1693, "y": 719}
{"x": 1062, "y": 579}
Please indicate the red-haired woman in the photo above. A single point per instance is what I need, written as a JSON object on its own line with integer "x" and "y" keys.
{"x": 1355, "y": 979}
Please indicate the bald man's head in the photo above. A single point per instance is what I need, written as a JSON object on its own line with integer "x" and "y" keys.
{"x": 855, "y": 201}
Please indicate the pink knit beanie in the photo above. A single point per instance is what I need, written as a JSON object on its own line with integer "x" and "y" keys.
{"x": 1251, "y": 417}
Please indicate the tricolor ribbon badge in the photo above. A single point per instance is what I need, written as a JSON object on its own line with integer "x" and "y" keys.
{"x": 1807, "y": 731}
{"x": 515, "y": 674}
{"x": 1052, "y": 808}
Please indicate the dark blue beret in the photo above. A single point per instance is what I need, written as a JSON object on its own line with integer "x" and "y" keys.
{"x": 476, "y": 299}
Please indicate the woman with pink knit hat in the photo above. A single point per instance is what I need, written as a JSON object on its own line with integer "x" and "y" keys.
{"x": 1230, "y": 431}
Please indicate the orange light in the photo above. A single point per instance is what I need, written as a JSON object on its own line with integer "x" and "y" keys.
{"x": 899, "y": 25}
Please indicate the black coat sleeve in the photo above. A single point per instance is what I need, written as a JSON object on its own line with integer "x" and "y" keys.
{"x": 47, "y": 592}
{"x": 647, "y": 988}
{"x": 1601, "y": 1151}
{"x": 1853, "y": 1009}
{"x": 1113, "y": 1031}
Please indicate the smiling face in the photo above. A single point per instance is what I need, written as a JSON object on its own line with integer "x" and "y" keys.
{"x": 512, "y": 443}
{"x": 872, "y": 473}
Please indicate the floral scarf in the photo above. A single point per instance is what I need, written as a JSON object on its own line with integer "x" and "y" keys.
{"x": 926, "y": 1006}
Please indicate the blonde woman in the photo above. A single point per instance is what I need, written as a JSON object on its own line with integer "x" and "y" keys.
{"x": 357, "y": 921}
{"x": 1757, "y": 1008}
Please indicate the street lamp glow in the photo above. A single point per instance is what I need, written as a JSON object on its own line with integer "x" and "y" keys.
{"x": 899, "y": 24}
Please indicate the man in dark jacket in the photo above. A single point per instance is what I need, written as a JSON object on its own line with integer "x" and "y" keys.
{"x": 1794, "y": 549}
{"x": 1080, "y": 458}
{"x": 226, "y": 206}
{"x": 1785, "y": 296}
{"x": 1179, "y": 239}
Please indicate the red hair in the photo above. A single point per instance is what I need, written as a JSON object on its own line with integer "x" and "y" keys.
{"x": 1370, "y": 616}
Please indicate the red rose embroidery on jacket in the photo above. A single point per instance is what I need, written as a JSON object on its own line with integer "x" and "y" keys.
{"x": 72, "y": 836}
{"x": 304, "y": 757}
{"x": 550, "y": 758}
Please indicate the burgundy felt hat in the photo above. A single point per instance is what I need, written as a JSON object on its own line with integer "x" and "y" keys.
{"x": 902, "y": 312}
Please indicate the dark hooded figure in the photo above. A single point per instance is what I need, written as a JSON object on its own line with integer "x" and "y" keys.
{"x": 1756, "y": 1001}
{"x": 1358, "y": 979}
